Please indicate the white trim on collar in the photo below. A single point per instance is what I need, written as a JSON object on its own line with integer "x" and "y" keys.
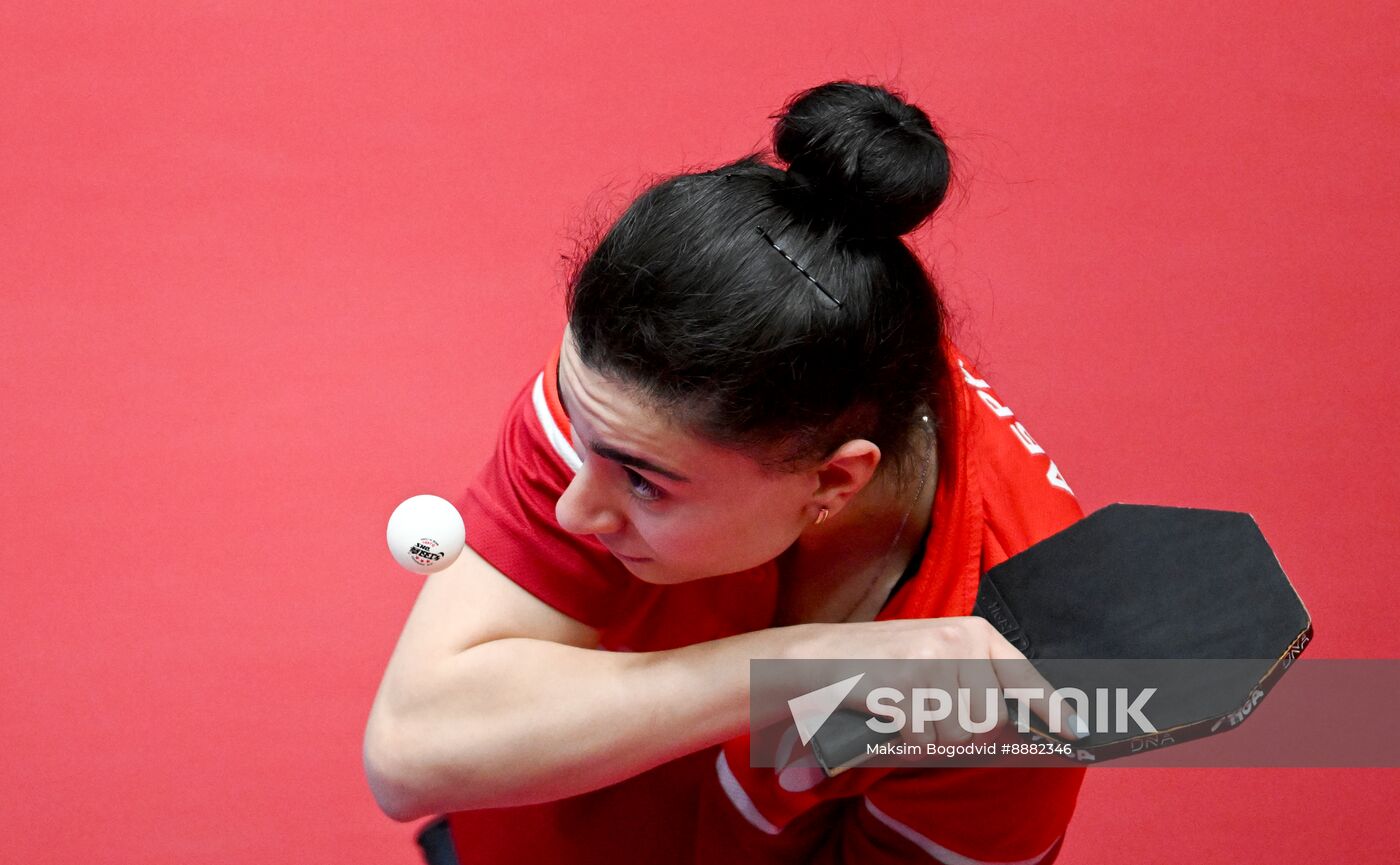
{"x": 561, "y": 445}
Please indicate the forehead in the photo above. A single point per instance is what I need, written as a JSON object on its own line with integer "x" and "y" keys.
{"x": 611, "y": 414}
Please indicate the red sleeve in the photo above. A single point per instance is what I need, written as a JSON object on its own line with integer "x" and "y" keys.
{"x": 973, "y": 816}
{"x": 509, "y": 514}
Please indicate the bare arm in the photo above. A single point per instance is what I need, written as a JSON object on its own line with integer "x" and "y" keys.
{"x": 517, "y": 721}
{"x": 492, "y": 698}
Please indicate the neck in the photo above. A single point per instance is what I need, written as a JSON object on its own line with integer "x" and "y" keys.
{"x": 843, "y": 569}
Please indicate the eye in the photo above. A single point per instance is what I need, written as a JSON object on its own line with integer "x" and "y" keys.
{"x": 643, "y": 488}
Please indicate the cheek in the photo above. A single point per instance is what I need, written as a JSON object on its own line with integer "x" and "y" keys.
{"x": 719, "y": 541}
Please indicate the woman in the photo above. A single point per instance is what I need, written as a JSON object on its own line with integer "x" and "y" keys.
{"x": 754, "y": 441}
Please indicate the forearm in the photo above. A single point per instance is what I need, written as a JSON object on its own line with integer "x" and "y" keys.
{"x": 516, "y": 721}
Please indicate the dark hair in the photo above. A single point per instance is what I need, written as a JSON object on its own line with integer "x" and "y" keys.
{"x": 687, "y": 303}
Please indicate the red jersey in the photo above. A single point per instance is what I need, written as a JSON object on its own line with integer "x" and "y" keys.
{"x": 997, "y": 493}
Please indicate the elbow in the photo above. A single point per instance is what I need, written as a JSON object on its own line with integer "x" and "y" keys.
{"x": 396, "y": 801}
{"x": 417, "y": 765}
{"x": 387, "y": 771}
{"x": 408, "y": 782}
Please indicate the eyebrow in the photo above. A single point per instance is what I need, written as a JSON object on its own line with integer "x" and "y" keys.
{"x": 618, "y": 455}
{"x": 621, "y": 456}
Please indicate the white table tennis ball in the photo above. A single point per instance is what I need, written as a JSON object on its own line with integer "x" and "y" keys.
{"x": 426, "y": 534}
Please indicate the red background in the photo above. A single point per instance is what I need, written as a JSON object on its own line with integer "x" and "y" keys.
{"x": 264, "y": 273}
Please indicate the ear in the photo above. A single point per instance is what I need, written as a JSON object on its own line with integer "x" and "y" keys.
{"x": 845, "y": 473}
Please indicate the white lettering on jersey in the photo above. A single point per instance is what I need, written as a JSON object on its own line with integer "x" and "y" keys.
{"x": 1018, "y": 429}
{"x": 997, "y": 408}
{"x": 972, "y": 380}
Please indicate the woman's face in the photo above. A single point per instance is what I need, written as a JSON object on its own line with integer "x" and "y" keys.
{"x": 673, "y": 507}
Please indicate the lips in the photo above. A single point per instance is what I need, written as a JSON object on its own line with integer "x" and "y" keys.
{"x": 633, "y": 559}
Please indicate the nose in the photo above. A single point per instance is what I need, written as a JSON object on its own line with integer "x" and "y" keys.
{"x": 587, "y": 507}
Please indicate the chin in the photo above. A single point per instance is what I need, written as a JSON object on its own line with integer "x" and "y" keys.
{"x": 658, "y": 575}
{"x": 648, "y": 571}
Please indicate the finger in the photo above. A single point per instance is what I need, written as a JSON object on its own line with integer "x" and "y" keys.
{"x": 950, "y": 729}
{"x": 984, "y": 692}
{"x": 923, "y": 676}
{"x": 1014, "y": 671}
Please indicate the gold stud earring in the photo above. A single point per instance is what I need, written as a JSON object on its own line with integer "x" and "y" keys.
{"x": 822, "y": 515}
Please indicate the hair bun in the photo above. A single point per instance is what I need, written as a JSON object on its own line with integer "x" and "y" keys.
{"x": 875, "y": 161}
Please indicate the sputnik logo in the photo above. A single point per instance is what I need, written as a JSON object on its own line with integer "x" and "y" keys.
{"x": 811, "y": 710}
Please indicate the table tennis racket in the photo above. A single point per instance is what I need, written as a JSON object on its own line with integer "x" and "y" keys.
{"x": 1111, "y": 599}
